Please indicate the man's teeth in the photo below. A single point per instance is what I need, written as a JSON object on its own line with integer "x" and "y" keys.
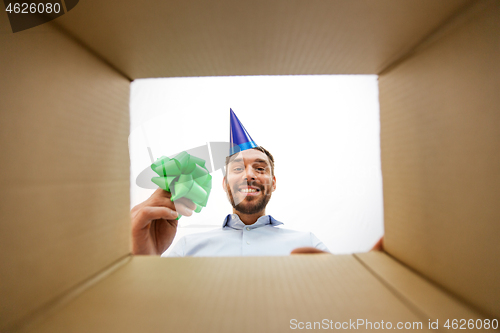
{"x": 248, "y": 190}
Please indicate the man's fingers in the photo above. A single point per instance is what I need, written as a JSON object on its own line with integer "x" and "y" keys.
{"x": 162, "y": 198}
{"x": 149, "y": 214}
{"x": 187, "y": 203}
{"x": 182, "y": 209}
{"x": 161, "y": 193}
{"x": 307, "y": 249}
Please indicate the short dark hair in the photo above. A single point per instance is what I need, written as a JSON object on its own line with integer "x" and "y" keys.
{"x": 259, "y": 148}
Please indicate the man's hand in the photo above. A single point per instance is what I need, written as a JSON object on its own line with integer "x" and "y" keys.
{"x": 311, "y": 250}
{"x": 307, "y": 250}
{"x": 154, "y": 222}
{"x": 379, "y": 246}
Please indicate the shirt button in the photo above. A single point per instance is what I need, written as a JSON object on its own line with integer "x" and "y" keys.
{"x": 248, "y": 242}
{"x": 248, "y": 228}
{"x": 233, "y": 217}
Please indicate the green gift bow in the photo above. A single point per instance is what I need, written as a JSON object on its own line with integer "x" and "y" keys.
{"x": 185, "y": 176}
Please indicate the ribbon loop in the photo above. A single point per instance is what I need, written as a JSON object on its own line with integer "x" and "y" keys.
{"x": 185, "y": 176}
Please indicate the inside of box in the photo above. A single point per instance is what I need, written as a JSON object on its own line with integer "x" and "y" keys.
{"x": 440, "y": 161}
{"x": 65, "y": 94}
{"x": 262, "y": 294}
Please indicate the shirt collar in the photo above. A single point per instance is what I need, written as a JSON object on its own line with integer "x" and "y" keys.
{"x": 233, "y": 221}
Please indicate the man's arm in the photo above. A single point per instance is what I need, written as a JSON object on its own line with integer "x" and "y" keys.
{"x": 154, "y": 223}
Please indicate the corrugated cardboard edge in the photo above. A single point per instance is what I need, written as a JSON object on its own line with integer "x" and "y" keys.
{"x": 65, "y": 121}
{"x": 89, "y": 49}
{"x": 439, "y": 108}
{"x": 257, "y": 38}
{"x": 459, "y": 18}
{"x": 59, "y": 302}
{"x": 260, "y": 294}
{"x": 419, "y": 296}
{"x": 418, "y": 293}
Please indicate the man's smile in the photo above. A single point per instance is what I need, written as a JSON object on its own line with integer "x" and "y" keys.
{"x": 249, "y": 190}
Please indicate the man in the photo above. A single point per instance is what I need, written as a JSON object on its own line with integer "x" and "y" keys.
{"x": 249, "y": 183}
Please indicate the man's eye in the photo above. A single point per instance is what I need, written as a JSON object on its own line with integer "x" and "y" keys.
{"x": 261, "y": 169}
{"x": 238, "y": 169}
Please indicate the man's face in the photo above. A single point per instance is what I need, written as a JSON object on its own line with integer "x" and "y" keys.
{"x": 249, "y": 183}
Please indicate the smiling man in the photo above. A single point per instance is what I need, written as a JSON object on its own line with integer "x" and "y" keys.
{"x": 249, "y": 183}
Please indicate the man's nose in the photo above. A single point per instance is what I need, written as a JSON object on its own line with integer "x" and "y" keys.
{"x": 249, "y": 174}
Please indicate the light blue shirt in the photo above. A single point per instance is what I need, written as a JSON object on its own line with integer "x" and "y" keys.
{"x": 263, "y": 238}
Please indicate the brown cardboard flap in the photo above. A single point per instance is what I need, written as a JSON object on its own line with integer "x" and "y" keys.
{"x": 64, "y": 198}
{"x": 440, "y": 144}
{"x": 279, "y": 37}
{"x": 64, "y": 185}
{"x": 421, "y": 295}
{"x": 249, "y": 294}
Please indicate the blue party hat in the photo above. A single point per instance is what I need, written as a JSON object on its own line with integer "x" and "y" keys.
{"x": 239, "y": 138}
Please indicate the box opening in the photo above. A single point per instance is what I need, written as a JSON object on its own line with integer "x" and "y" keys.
{"x": 323, "y": 131}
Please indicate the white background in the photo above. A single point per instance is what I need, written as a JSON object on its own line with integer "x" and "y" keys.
{"x": 323, "y": 131}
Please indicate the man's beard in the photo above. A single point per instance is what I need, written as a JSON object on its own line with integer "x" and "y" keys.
{"x": 258, "y": 204}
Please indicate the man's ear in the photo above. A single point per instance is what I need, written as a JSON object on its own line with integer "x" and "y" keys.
{"x": 224, "y": 184}
{"x": 274, "y": 183}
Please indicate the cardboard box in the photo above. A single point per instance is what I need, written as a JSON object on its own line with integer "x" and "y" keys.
{"x": 64, "y": 200}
